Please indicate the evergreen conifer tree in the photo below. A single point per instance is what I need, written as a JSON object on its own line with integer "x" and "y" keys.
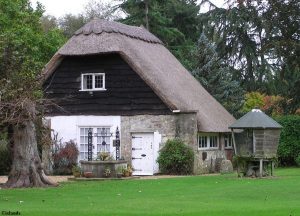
{"x": 215, "y": 76}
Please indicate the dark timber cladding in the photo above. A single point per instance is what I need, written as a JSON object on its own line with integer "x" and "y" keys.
{"x": 126, "y": 94}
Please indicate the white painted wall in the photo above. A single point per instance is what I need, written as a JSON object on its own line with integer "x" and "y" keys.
{"x": 67, "y": 127}
{"x": 156, "y": 144}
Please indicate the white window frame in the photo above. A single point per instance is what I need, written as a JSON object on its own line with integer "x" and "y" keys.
{"x": 228, "y": 139}
{"x": 94, "y": 141}
{"x": 93, "y": 82}
{"x": 208, "y": 139}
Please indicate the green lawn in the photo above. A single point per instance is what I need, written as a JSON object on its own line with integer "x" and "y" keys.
{"x": 196, "y": 195}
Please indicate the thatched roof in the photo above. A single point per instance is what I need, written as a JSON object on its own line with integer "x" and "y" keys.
{"x": 255, "y": 119}
{"x": 98, "y": 26}
{"x": 147, "y": 56}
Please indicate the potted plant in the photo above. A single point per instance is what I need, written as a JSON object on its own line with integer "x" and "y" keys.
{"x": 125, "y": 172}
{"x": 88, "y": 174}
{"x": 130, "y": 170}
{"x": 104, "y": 156}
{"x": 107, "y": 172}
{"x": 76, "y": 170}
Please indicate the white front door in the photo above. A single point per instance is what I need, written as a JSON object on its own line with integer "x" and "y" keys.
{"x": 142, "y": 153}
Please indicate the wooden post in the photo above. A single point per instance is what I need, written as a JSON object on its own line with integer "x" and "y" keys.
{"x": 260, "y": 167}
{"x": 272, "y": 167}
{"x": 235, "y": 153}
{"x": 233, "y": 139}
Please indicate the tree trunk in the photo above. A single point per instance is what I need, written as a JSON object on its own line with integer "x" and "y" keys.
{"x": 27, "y": 170}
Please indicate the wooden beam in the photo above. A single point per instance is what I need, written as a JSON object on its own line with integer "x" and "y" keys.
{"x": 233, "y": 139}
{"x": 272, "y": 167}
{"x": 260, "y": 167}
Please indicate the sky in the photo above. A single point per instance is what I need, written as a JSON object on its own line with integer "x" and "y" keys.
{"x": 59, "y": 8}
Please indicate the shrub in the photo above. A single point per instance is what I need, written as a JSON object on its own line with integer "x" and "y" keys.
{"x": 289, "y": 143}
{"x": 104, "y": 156}
{"x": 65, "y": 158}
{"x": 176, "y": 158}
{"x": 252, "y": 100}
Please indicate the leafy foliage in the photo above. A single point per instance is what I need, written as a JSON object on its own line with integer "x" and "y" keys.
{"x": 289, "y": 144}
{"x": 253, "y": 100}
{"x": 271, "y": 104}
{"x": 260, "y": 39}
{"x": 176, "y": 158}
{"x": 100, "y": 9}
{"x": 70, "y": 23}
{"x": 65, "y": 157}
{"x": 24, "y": 49}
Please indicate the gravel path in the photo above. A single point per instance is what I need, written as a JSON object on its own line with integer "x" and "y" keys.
{"x": 3, "y": 179}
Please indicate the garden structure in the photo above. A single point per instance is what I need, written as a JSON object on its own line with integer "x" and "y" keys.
{"x": 255, "y": 142}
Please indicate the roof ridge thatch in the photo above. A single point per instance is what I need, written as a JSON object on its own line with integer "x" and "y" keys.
{"x": 155, "y": 64}
{"x": 98, "y": 26}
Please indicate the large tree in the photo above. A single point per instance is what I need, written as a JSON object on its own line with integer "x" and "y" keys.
{"x": 69, "y": 23}
{"x": 24, "y": 50}
{"x": 175, "y": 22}
{"x": 215, "y": 76}
{"x": 260, "y": 39}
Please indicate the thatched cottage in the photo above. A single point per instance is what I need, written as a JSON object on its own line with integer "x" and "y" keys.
{"x": 110, "y": 75}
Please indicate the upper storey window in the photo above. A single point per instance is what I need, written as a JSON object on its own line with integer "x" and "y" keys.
{"x": 93, "y": 82}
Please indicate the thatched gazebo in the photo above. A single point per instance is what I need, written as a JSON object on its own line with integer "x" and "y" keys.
{"x": 256, "y": 141}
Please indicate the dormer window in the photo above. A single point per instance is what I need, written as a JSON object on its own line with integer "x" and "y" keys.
{"x": 93, "y": 82}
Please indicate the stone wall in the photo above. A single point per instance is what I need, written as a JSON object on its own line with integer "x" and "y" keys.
{"x": 209, "y": 160}
{"x": 181, "y": 125}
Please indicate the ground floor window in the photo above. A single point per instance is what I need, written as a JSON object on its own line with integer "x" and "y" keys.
{"x": 228, "y": 141}
{"x": 208, "y": 141}
{"x": 101, "y": 141}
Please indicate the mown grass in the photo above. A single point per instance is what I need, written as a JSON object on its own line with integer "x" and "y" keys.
{"x": 195, "y": 195}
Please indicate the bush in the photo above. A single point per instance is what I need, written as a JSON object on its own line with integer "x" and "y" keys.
{"x": 176, "y": 158}
{"x": 65, "y": 158}
{"x": 289, "y": 143}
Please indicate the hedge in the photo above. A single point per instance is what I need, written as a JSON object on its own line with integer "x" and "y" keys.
{"x": 289, "y": 143}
